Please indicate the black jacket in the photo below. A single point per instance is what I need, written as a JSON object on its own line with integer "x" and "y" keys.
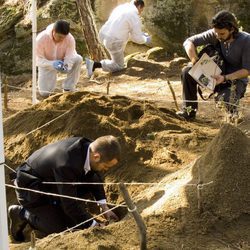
{"x": 62, "y": 161}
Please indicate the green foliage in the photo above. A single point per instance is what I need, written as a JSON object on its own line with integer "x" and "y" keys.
{"x": 174, "y": 18}
{"x": 64, "y": 9}
{"x": 243, "y": 14}
{"x": 10, "y": 15}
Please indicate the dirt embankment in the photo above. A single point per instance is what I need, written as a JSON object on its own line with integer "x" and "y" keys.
{"x": 157, "y": 147}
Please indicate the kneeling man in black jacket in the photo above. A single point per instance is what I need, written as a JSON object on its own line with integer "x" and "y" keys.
{"x": 74, "y": 159}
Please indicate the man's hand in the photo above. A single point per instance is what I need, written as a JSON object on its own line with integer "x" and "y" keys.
{"x": 219, "y": 79}
{"x": 59, "y": 66}
{"x": 110, "y": 215}
{"x": 99, "y": 225}
{"x": 148, "y": 38}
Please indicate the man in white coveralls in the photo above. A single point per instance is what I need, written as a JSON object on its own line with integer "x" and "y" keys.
{"x": 123, "y": 24}
{"x": 56, "y": 52}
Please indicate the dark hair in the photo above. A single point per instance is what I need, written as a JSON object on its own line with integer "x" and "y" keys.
{"x": 225, "y": 20}
{"x": 62, "y": 27}
{"x": 139, "y": 3}
{"x": 108, "y": 147}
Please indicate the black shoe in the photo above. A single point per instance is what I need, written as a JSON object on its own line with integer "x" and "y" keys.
{"x": 188, "y": 116}
{"x": 17, "y": 224}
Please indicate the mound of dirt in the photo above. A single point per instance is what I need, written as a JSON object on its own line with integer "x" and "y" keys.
{"x": 223, "y": 169}
{"x": 155, "y": 143}
{"x": 93, "y": 115}
{"x": 226, "y": 163}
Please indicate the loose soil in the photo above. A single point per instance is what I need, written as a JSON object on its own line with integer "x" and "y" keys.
{"x": 158, "y": 147}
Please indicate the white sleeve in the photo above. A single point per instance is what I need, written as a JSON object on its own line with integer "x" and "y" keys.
{"x": 136, "y": 34}
{"x": 103, "y": 201}
{"x": 70, "y": 52}
{"x": 41, "y": 61}
{"x": 94, "y": 223}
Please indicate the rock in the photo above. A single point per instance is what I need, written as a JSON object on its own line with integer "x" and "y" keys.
{"x": 10, "y": 15}
{"x": 129, "y": 59}
{"x": 178, "y": 62}
{"x": 156, "y": 53}
{"x": 23, "y": 29}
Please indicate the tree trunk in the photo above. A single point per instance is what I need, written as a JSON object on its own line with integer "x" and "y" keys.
{"x": 94, "y": 47}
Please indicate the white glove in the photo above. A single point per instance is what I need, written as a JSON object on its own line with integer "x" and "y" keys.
{"x": 148, "y": 40}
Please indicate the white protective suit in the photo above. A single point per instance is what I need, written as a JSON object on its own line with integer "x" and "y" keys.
{"x": 123, "y": 24}
{"x": 47, "y": 52}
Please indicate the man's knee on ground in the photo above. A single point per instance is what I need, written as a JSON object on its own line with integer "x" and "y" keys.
{"x": 185, "y": 70}
{"x": 119, "y": 67}
{"x": 44, "y": 93}
{"x": 78, "y": 59}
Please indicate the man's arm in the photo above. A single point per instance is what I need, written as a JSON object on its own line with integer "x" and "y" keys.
{"x": 239, "y": 74}
{"x": 41, "y": 60}
{"x": 70, "y": 52}
{"x": 73, "y": 208}
{"x": 136, "y": 34}
{"x": 191, "y": 43}
{"x": 191, "y": 51}
{"x": 99, "y": 194}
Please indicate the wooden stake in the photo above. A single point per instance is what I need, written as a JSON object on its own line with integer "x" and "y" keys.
{"x": 108, "y": 86}
{"x": 138, "y": 219}
{"x": 32, "y": 241}
{"x": 5, "y": 82}
{"x": 173, "y": 94}
{"x": 199, "y": 198}
{"x": 199, "y": 187}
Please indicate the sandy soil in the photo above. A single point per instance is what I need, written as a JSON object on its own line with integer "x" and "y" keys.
{"x": 158, "y": 148}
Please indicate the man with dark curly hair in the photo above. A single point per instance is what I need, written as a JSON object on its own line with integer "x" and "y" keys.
{"x": 234, "y": 46}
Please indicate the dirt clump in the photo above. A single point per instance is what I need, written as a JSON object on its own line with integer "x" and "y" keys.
{"x": 226, "y": 164}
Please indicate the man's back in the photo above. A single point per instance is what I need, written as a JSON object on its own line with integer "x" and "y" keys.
{"x": 50, "y": 161}
{"x": 122, "y": 21}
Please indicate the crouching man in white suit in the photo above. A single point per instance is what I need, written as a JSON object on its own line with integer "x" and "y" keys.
{"x": 123, "y": 24}
{"x": 56, "y": 52}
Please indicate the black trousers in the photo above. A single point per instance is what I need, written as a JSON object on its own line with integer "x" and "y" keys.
{"x": 224, "y": 91}
{"x": 46, "y": 214}
{"x": 48, "y": 219}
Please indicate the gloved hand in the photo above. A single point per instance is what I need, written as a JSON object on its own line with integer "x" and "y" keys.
{"x": 148, "y": 40}
{"x": 109, "y": 215}
{"x": 59, "y": 66}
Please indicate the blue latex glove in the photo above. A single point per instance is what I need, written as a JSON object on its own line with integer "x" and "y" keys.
{"x": 148, "y": 40}
{"x": 59, "y": 66}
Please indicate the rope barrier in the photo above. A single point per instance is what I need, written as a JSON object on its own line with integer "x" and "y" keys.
{"x": 113, "y": 183}
{"x": 56, "y": 195}
{"x": 117, "y": 183}
{"x": 30, "y": 89}
{"x": 14, "y": 171}
{"x": 80, "y": 224}
{"x": 48, "y": 123}
{"x": 132, "y": 210}
{"x": 179, "y": 101}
